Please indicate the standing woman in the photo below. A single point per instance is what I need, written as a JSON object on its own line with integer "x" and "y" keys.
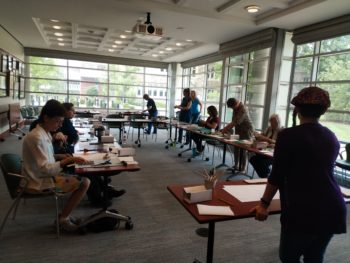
{"x": 43, "y": 171}
{"x": 196, "y": 107}
{"x": 313, "y": 208}
{"x": 185, "y": 112}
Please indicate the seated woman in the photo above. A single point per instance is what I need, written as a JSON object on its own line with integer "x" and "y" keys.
{"x": 212, "y": 122}
{"x": 41, "y": 169}
{"x": 260, "y": 163}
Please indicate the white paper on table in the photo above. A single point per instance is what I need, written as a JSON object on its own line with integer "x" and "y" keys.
{"x": 256, "y": 181}
{"x": 248, "y": 193}
{"x": 128, "y": 159}
{"x": 98, "y": 159}
{"x": 214, "y": 210}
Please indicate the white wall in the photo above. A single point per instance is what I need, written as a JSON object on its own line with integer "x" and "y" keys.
{"x": 9, "y": 45}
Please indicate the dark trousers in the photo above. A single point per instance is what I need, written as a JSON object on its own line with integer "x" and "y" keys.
{"x": 261, "y": 165}
{"x": 293, "y": 245}
{"x": 185, "y": 118}
{"x": 197, "y": 138}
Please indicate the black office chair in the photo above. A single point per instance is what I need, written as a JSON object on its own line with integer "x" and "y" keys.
{"x": 11, "y": 168}
{"x": 344, "y": 163}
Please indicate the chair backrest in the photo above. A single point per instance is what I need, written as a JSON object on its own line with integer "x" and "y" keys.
{"x": 11, "y": 163}
{"x": 347, "y": 150}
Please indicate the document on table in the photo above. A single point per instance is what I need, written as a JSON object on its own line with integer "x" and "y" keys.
{"x": 256, "y": 181}
{"x": 98, "y": 159}
{"x": 214, "y": 210}
{"x": 128, "y": 159}
{"x": 248, "y": 193}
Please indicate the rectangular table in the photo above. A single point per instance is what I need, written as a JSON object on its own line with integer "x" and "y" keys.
{"x": 241, "y": 210}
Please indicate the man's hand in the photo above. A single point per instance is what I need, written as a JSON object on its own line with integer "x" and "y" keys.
{"x": 261, "y": 213}
{"x": 59, "y": 136}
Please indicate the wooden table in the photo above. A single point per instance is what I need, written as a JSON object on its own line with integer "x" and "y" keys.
{"x": 241, "y": 210}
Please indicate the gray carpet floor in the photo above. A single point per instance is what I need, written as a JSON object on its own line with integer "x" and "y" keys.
{"x": 163, "y": 230}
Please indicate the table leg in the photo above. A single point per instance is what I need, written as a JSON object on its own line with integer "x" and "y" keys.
{"x": 223, "y": 164}
{"x": 210, "y": 244}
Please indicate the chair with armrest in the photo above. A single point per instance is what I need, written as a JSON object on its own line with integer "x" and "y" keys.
{"x": 344, "y": 163}
{"x": 11, "y": 168}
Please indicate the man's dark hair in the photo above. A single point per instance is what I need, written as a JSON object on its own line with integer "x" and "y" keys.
{"x": 52, "y": 108}
{"x": 67, "y": 106}
{"x": 187, "y": 91}
{"x": 231, "y": 102}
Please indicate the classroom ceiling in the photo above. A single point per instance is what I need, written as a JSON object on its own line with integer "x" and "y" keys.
{"x": 185, "y": 29}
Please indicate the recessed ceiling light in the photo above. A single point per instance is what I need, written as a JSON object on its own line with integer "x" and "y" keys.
{"x": 122, "y": 36}
{"x": 178, "y": 44}
{"x": 61, "y": 44}
{"x": 56, "y": 27}
{"x": 127, "y": 31}
{"x": 154, "y": 55}
{"x": 111, "y": 50}
{"x": 58, "y": 34}
{"x": 161, "y": 52}
{"x": 168, "y": 48}
{"x": 118, "y": 42}
{"x": 180, "y": 28}
{"x": 54, "y": 20}
{"x": 60, "y": 39}
{"x": 252, "y": 8}
{"x": 189, "y": 40}
{"x": 114, "y": 46}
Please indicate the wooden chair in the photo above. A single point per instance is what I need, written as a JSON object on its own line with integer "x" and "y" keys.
{"x": 11, "y": 168}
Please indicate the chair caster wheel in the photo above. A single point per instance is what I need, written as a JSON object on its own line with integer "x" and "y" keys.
{"x": 207, "y": 159}
{"x": 136, "y": 142}
{"x": 167, "y": 147}
{"x": 181, "y": 146}
{"x": 189, "y": 160}
{"x": 19, "y": 138}
{"x": 166, "y": 142}
{"x": 179, "y": 154}
{"x": 139, "y": 145}
{"x": 129, "y": 225}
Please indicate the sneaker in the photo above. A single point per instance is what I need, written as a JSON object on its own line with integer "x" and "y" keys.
{"x": 67, "y": 225}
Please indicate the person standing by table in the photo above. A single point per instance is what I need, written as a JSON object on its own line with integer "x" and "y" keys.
{"x": 153, "y": 113}
{"x": 243, "y": 127}
{"x": 185, "y": 113}
{"x": 196, "y": 107}
{"x": 261, "y": 163}
{"x": 312, "y": 205}
{"x": 43, "y": 172}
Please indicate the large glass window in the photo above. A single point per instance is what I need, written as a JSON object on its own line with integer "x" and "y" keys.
{"x": 99, "y": 86}
{"x": 326, "y": 64}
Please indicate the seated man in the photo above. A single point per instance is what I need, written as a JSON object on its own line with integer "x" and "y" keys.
{"x": 260, "y": 163}
{"x": 69, "y": 139}
{"x": 41, "y": 169}
{"x": 212, "y": 122}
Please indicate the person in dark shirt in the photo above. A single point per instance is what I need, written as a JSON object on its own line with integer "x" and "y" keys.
{"x": 212, "y": 122}
{"x": 152, "y": 111}
{"x": 312, "y": 205}
{"x": 185, "y": 113}
{"x": 67, "y": 128}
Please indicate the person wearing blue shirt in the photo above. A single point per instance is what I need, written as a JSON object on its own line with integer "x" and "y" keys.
{"x": 196, "y": 107}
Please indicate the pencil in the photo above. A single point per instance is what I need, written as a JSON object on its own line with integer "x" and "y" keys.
{"x": 225, "y": 201}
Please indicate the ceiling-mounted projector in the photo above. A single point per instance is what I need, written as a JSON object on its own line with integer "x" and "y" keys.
{"x": 147, "y": 30}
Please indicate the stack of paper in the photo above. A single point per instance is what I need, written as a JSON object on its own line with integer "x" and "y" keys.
{"x": 248, "y": 193}
{"x": 214, "y": 210}
{"x": 256, "y": 181}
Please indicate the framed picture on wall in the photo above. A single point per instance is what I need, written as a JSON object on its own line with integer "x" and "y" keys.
{"x": 9, "y": 63}
{"x": 16, "y": 87}
{"x": 10, "y": 83}
{"x": 3, "y": 86}
{"x": 22, "y": 82}
{"x": 4, "y": 63}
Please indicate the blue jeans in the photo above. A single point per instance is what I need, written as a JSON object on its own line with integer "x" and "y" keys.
{"x": 150, "y": 124}
{"x": 195, "y": 117}
{"x": 293, "y": 245}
